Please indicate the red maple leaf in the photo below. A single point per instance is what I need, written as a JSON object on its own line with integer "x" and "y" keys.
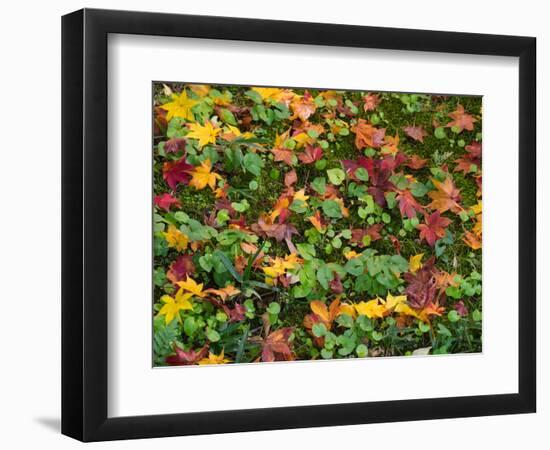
{"x": 176, "y": 172}
{"x": 434, "y": 227}
{"x": 357, "y": 234}
{"x": 236, "y": 314}
{"x": 380, "y": 171}
{"x": 310, "y": 154}
{"x": 166, "y": 200}
{"x": 283, "y": 154}
{"x": 371, "y": 102}
{"x": 472, "y": 158}
{"x": 415, "y": 162}
{"x": 290, "y": 178}
{"x": 461, "y": 119}
{"x": 186, "y": 358}
{"x": 180, "y": 268}
{"x": 174, "y": 145}
{"x": 279, "y": 231}
{"x": 276, "y": 347}
{"x": 408, "y": 206}
{"x": 415, "y": 132}
{"x": 336, "y": 284}
{"x": 421, "y": 289}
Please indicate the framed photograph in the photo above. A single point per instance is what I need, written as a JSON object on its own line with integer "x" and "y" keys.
{"x": 273, "y": 225}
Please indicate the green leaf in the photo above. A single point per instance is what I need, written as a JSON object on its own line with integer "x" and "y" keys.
{"x": 325, "y": 276}
{"x": 319, "y": 185}
{"x": 345, "y": 320}
{"x": 355, "y": 267}
{"x": 190, "y": 326}
{"x": 331, "y": 208}
{"x": 453, "y": 316}
{"x": 476, "y": 315}
{"x": 306, "y": 251}
{"x": 254, "y": 96}
{"x": 362, "y": 174}
{"x": 319, "y": 329}
{"x": 253, "y": 163}
{"x": 336, "y": 176}
{"x": 228, "y": 117}
{"x": 274, "y": 308}
{"x": 361, "y": 351}
{"x": 228, "y": 265}
{"x": 213, "y": 335}
{"x": 424, "y": 327}
{"x": 439, "y": 133}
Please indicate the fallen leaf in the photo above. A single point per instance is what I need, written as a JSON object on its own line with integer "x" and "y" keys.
{"x": 180, "y": 268}
{"x": 371, "y": 101}
{"x": 180, "y": 106}
{"x": 202, "y": 176}
{"x": 408, "y": 206}
{"x": 434, "y": 228}
{"x": 366, "y": 135}
{"x": 166, "y": 201}
{"x": 176, "y": 172}
{"x": 283, "y": 155}
{"x": 415, "y": 132}
{"x": 445, "y": 197}
{"x": 206, "y": 134}
{"x": 310, "y": 154}
{"x": 461, "y": 119}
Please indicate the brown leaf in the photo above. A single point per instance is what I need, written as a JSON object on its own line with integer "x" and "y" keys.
{"x": 290, "y": 178}
{"x": 180, "y": 268}
{"x": 461, "y": 120}
{"x": 367, "y": 135}
{"x": 415, "y": 132}
{"x": 283, "y": 155}
{"x": 276, "y": 347}
{"x": 371, "y": 102}
{"x": 445, "y": 197}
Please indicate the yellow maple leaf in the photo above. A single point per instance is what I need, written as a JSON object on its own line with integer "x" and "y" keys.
{"x": 415, "y": 262}
{"x": 202, "y": 176}
{"x": 280, "y": 139}
{"x": 279, "y": 266}
{"x": 231, "y": 133}
{"x": 371, "y": 309}
{"x": 180, "y": 106}
{"x": 301, "y": 139}
{"x": 172, "y": 306}
{"x": 301, "y": 195}
{"x": 206, "y": 134}
{"x": 403, "y": 308}
{"x": 391, "y": 302}
{"x": 191, "y": 286}
{"x": 175, "y": 238}
{"x": 214, "y": 359}
{"x": 275, "y": 94}
{"x": 351, "y": 254}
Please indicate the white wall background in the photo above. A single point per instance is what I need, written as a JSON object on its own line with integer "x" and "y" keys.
{"x": 30, "y": 226}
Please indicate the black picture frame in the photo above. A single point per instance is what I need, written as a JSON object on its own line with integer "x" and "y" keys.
{"x": 84, "y": 224}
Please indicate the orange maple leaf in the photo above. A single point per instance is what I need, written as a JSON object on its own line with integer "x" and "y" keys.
{"x": 461, "y": 119}
{"x": 445, "y": 197}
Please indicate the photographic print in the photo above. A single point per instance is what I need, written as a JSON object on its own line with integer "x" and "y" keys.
{"x": 301, "y": 224}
